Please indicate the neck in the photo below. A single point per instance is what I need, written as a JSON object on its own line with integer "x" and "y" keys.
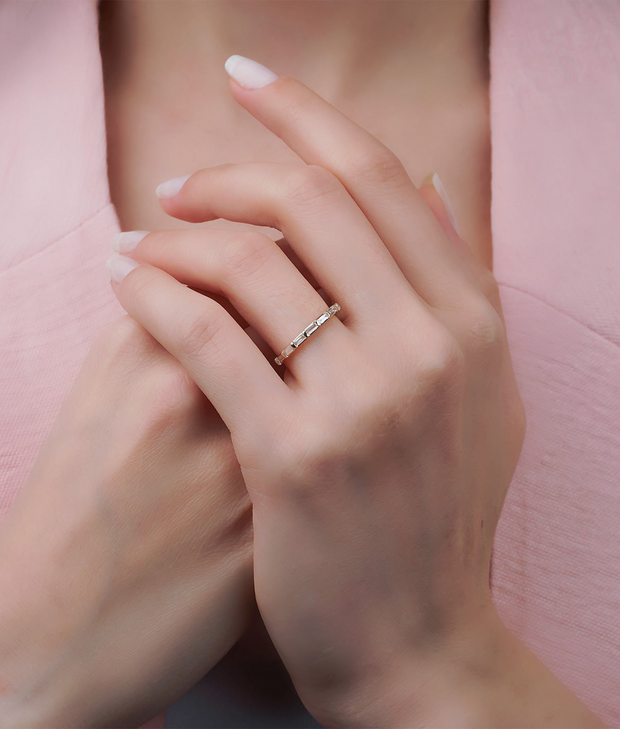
{"x": 340, "y": 49}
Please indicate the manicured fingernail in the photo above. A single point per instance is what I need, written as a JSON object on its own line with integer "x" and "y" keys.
{"x": 441, "y": 191}
{"x": 171, "y": 187}
{"x": 248, "y": 73}
{"x": 119, "y": 266}
{"x": 125, "y": 242}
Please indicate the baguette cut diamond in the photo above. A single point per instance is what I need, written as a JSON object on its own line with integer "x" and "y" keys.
{"x": 310, "y": 329}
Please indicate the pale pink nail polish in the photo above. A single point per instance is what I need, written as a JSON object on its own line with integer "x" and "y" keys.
{"x": 248, "y": 73}
{"x": 119, "y": 266}
{"x": 127, "y": 241}
{"x": 441, "y": 191}
{"x": 171, "y": 187}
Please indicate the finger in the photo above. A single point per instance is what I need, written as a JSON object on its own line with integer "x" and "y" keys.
{"x": 438, "y": 207}
{"x": 292, "y": 256}
{"x": 320, "y": 221}
{"x": 126, "y": 243}
{"x": 214, "y": 350}
{"x": 484, "y": 277}
{"x": 374, "y": 176}
{"x": 259, "y": 281}
{"x": 265, "y": 349}
{"x": 285, "y": 246}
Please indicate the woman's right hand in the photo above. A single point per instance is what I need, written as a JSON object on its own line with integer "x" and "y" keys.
{"x": 126, "y": 559}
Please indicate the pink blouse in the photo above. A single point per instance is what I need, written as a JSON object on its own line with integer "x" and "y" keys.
{"x": 555, "y": 115}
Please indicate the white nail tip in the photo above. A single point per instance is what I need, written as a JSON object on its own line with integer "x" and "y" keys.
{"x": 127, "y": 241}
{"x": 248, "y": 73}
{"x": 441, "y": 191}
{"x": 119, "y": 266}
{"x": 171, "y": 187}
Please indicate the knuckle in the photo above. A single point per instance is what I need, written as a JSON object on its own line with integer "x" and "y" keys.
{"x": 485, "y": 329}
{"x": 171, "y": 391}
{"x": 379, "y": 411}
{"x": 246, "y": 254}
{"x": 125, "y": 354}
{"x": 139, "y": 285}
{"x": 312, "y": 469}
{"x": 199, "y": 331}
{"x": 379, "y": 165}
{"x": 443, "y": 364}
{"x": 311, "y": 183}
{"x": 489, "y": 285}
{"x": 123, "y": 338}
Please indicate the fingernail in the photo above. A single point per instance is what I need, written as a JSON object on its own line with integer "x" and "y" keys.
{"x": 119, "y": 266}
{"x": 248, "y": 73}
{"x": 441, "y": 191}
{"x": 171, "y": 187}
{"x": 125, "y": 242}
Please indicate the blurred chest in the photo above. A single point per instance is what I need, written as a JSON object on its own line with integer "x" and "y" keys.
{"x": 148, "y": 145}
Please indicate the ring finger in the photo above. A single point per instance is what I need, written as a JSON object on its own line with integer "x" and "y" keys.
{"x": 258, "y": 279}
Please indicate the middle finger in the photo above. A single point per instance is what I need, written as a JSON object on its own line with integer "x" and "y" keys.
{"x": 321, "y": 223}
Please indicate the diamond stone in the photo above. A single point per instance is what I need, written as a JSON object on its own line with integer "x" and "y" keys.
{"x": 311, "y": 328}
{"x": 298, "y": 340}
{"x": 289, "y": 350}
{"x": 323, "y": 318}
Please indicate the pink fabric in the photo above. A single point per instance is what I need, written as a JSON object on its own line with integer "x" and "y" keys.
{"x": 555, "y": 107}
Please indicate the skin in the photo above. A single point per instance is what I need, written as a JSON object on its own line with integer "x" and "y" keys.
{"x": 414, "y": 74}
{"x": 131, "y": 534}
{"x": 378, "y": 464}
{"x": 424, "y": 62}
{"x": 339, "y": 464}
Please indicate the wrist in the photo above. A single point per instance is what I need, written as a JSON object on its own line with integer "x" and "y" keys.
{"x": 448, "y": 682}
{"x": 481, "y": 675}
{"x": 460, "y": 683}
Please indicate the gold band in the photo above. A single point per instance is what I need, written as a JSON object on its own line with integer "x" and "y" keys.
{"x": 310, "y": 329}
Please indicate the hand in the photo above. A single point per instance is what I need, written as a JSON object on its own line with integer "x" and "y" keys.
{"x": 378, "y": 465}
{"x": 126, "y": 560}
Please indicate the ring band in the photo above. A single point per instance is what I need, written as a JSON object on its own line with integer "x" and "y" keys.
{"x": 310, "y": 329}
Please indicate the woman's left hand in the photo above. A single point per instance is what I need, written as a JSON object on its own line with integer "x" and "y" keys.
{"x": 378, "y": 464}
